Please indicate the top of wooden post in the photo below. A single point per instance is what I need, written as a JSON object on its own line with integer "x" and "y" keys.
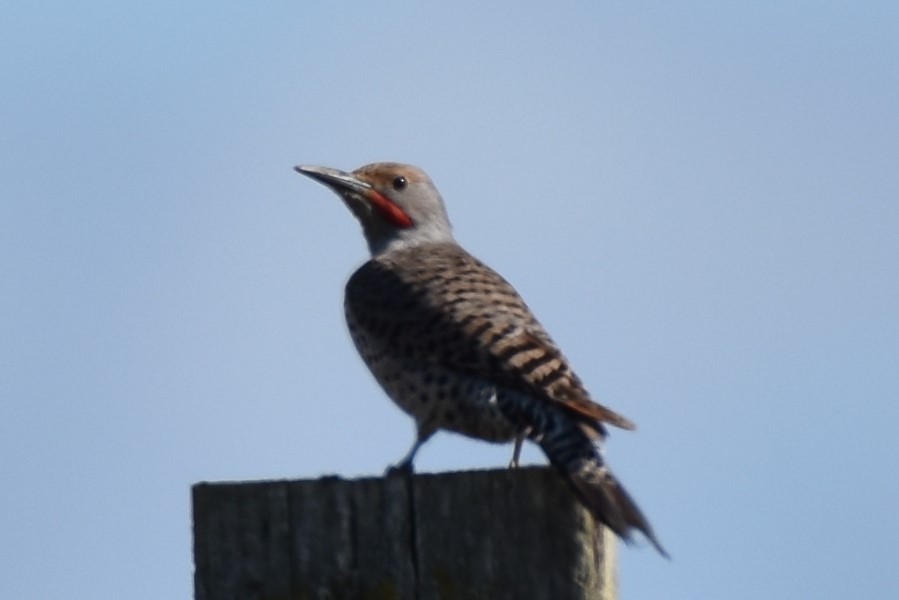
{"x": 511, "y": 533}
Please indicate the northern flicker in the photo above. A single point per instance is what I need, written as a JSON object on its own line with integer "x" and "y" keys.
{"x": 453, "y": 344}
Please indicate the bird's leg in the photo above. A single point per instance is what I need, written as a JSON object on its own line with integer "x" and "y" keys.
{"x": 516, "y": 453}
{"x": 423, "y": 434}
{"x": 513, "y": 464}
{"x": 405, "y": 465}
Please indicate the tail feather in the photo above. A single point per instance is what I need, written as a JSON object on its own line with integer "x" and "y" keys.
{"x": 609, "y": 502}
{"x": 577, "y": 458}
{"x": 567, "y": 439}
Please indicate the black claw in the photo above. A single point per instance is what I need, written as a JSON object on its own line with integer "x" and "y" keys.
{"x": 403, "y": 468}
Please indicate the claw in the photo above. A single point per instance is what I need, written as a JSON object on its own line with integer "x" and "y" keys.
{"x": 403, "y": 468}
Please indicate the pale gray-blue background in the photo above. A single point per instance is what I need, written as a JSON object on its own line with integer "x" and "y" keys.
{"x": 699, "y": 200}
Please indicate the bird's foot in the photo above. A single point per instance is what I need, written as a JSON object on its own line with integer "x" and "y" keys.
{"x": 403, "y": 468}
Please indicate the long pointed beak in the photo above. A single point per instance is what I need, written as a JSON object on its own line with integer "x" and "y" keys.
{"x": 337, "y": 180}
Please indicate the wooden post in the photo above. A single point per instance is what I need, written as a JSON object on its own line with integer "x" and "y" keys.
{"x": 511, "y": 533}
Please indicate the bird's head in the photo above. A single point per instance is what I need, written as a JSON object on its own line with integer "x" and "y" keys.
{"x": 398, "y": 205}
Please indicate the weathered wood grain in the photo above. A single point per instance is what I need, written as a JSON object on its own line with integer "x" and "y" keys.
{"x": 516, "y": 533}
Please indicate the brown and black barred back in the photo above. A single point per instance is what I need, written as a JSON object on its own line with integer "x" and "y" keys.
{"x": 441, "y": 305}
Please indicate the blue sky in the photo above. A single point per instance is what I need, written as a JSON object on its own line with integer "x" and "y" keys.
{"x": 699, "y": 200}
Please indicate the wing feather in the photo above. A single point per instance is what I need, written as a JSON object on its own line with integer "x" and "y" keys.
{"x": 449, "y": 308}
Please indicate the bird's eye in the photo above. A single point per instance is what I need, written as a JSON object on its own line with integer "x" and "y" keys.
{"x": 399, "y": 183}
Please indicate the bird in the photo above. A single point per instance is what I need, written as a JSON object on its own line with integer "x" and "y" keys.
{"x": 454, "y": 345}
